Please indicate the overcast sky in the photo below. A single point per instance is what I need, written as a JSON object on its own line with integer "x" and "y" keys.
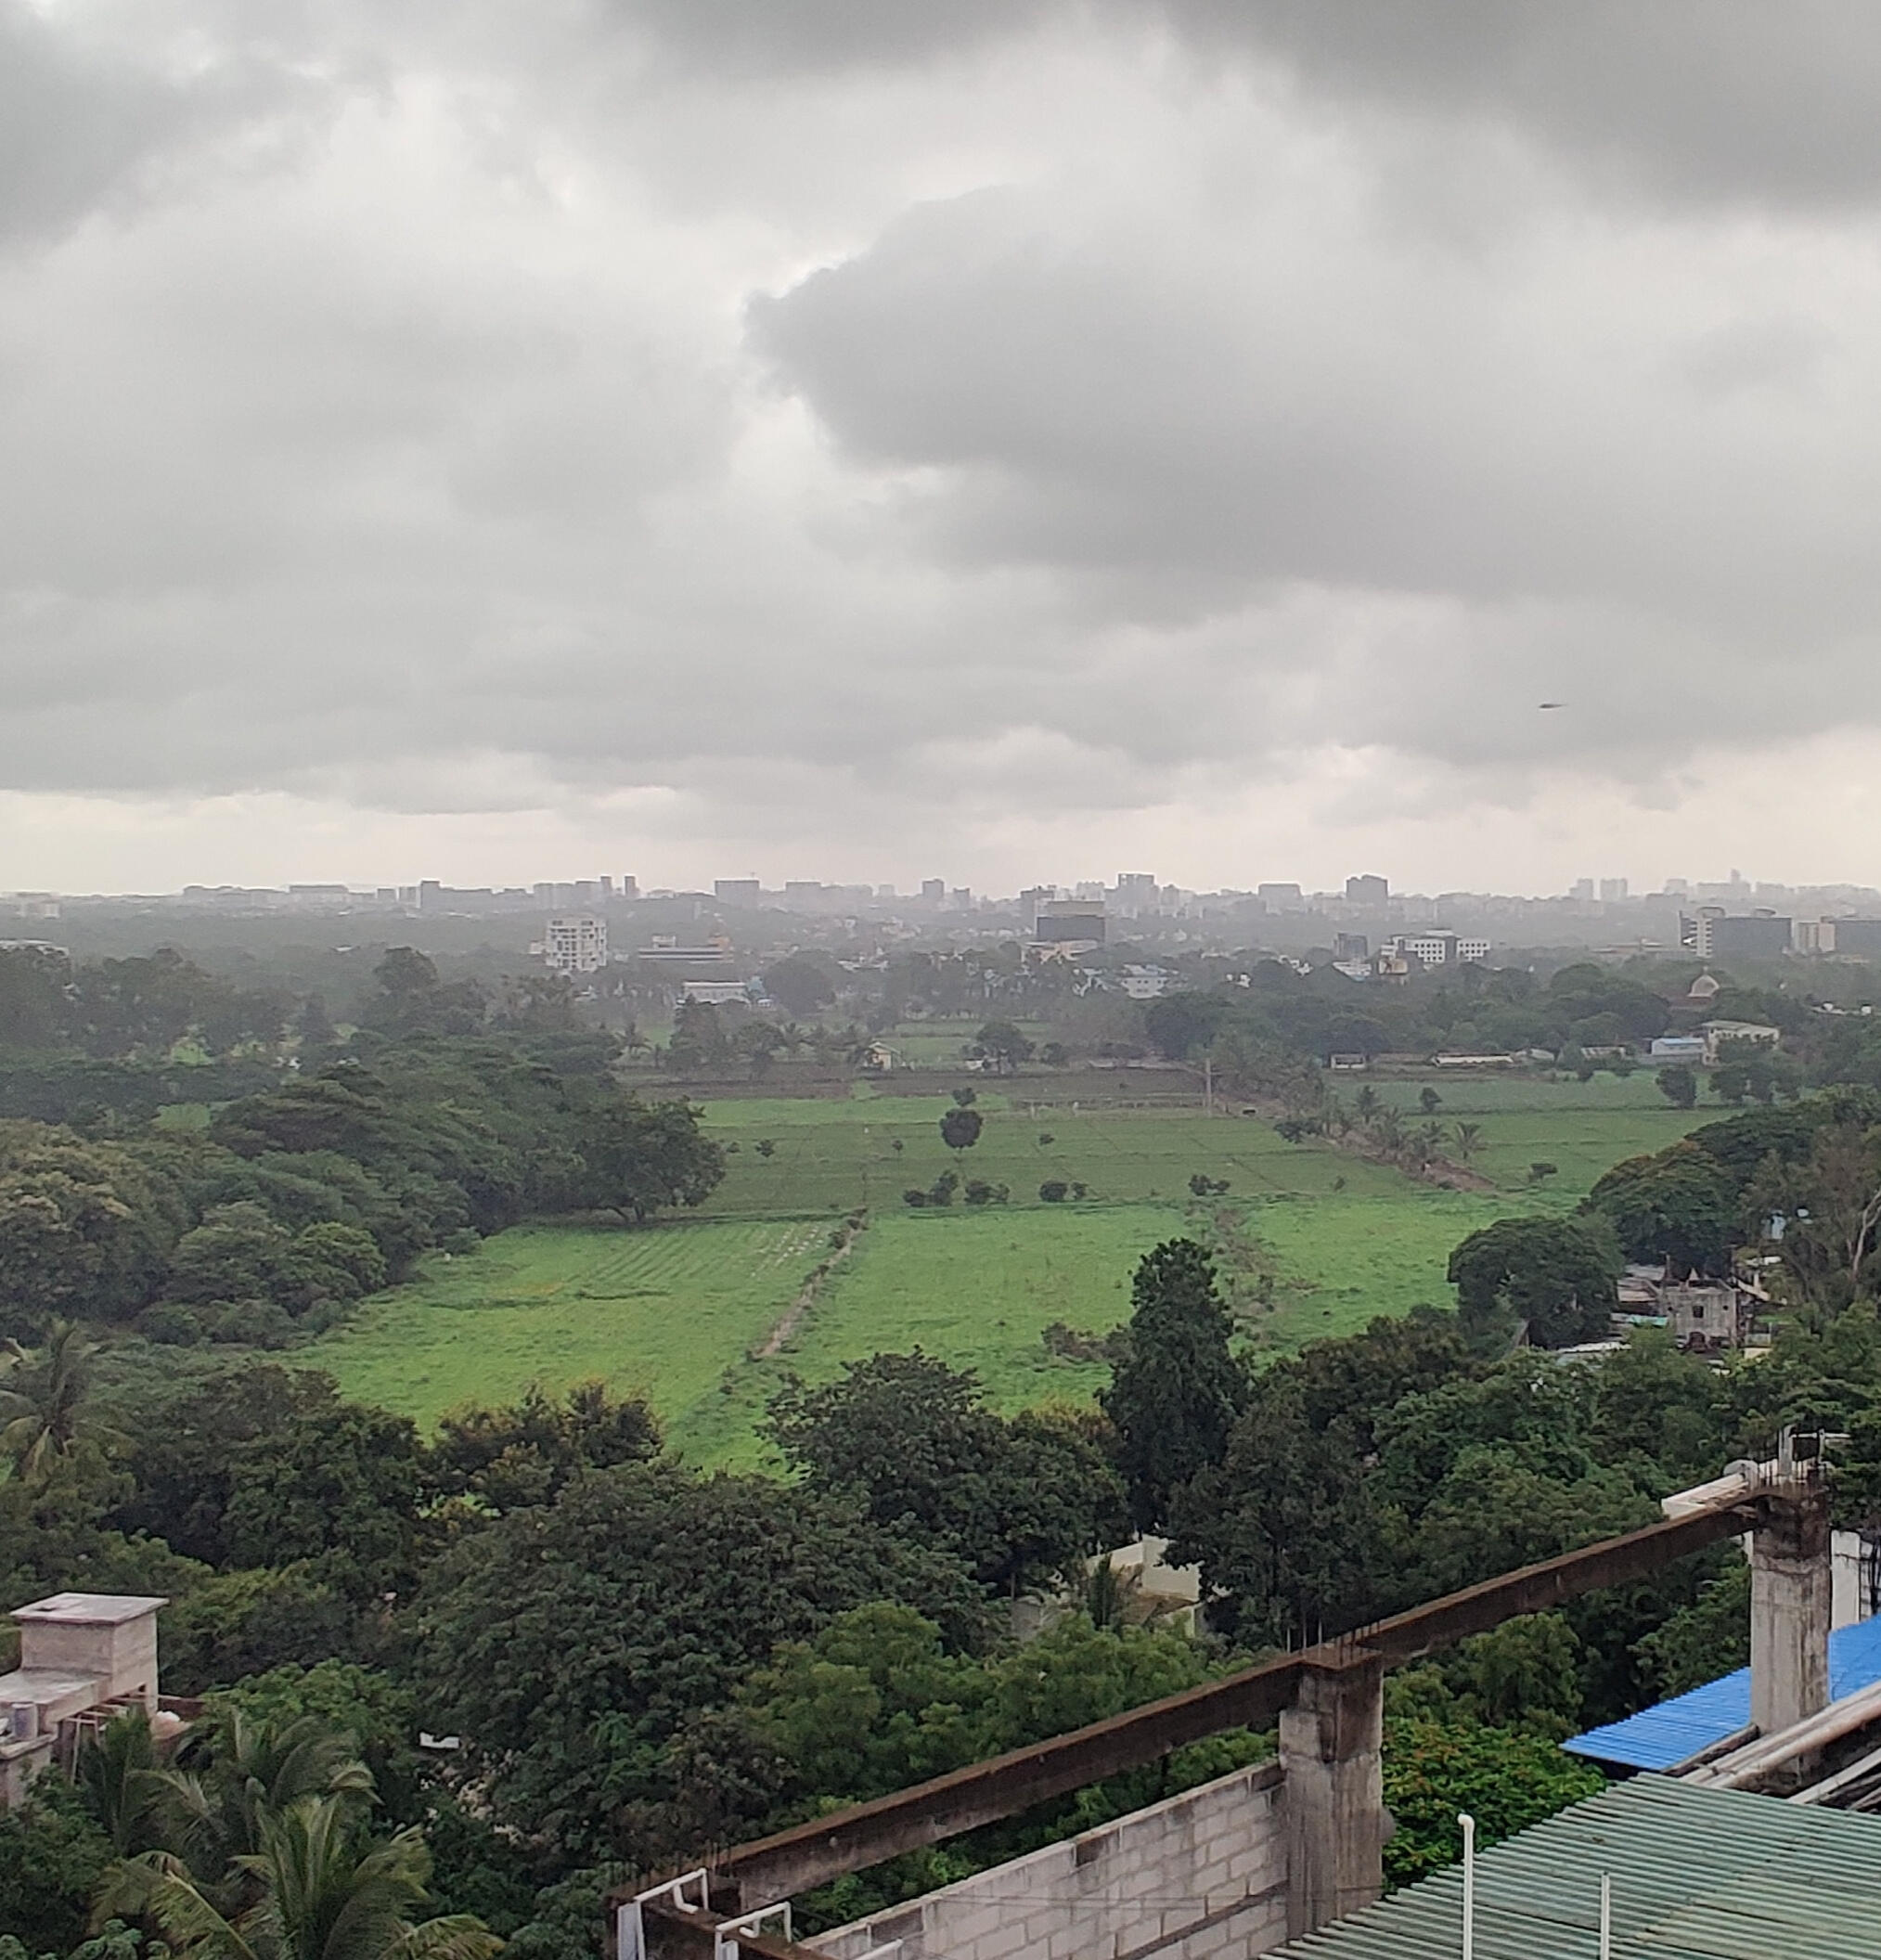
{"x": 991, "y": 439}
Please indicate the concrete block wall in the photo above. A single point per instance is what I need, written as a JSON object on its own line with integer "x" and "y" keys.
{"x": 1200, "y": 1877}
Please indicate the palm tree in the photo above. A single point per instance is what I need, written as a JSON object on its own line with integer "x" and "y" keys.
{"x": 321, "y": 1890}
{"x": 1469, "y": 1140}
{"x": 40, "y": 1407}
{"x": 1366, "y": 1103}
{"x": 117, "y": 1770}
{"x": 233, "y": 1776}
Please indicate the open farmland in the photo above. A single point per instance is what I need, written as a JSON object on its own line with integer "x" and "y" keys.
{"x": 1582, "y": 1128}
{"x": 666, "y": 1311}
{"x": 1322, "y": 1240}
{"x": 829, "y": 1155}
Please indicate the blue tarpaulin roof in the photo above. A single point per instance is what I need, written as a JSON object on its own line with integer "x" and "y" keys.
{"x": 1657, "y": 1739}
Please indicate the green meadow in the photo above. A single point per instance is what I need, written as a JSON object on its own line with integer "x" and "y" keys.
{"x": 682, "y": 1311}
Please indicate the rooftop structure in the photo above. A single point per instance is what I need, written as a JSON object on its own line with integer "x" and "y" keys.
{"x": 1690, "y": 1724}
{"x": 83, "y": 1657}
{"x": 1695, "y": 1874}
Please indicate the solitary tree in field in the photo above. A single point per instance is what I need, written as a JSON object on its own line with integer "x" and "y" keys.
{"x": 1679, "y": 1085}
{"x": 1469, "y": 1140}
{"x": 1003, "y": 1045}
{"x": 960, "y": 1128}
{"x": 1428, "y": 1100}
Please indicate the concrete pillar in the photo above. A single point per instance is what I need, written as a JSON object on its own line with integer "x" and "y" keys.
{"x": 1329, "y": 1744}
{"x": 1792, "y": 1591}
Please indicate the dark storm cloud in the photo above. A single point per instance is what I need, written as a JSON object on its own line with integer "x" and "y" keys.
{"x": 1259, "y": 409}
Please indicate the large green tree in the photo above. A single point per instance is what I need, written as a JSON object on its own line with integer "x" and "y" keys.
{"x": 1177, "y": 1389}
{"x": 84, "y": 1229}
{"x": 637, "y": 1158}
{"x": 1558, "y": 1276}
{"x": 1677, "y": 1206}
{"x": 912, "y": 1438}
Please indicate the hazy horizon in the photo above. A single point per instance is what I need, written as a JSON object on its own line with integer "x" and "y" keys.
{"x": 721, "y": 438}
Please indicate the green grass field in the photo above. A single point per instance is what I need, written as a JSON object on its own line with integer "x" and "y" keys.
{"x": 678, "y": 1311}
{"x": 665, "y": 1311}
{"x": 1583, "y": 1127}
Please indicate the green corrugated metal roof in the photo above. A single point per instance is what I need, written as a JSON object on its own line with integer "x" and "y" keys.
{"x": 1697, "y": 1875}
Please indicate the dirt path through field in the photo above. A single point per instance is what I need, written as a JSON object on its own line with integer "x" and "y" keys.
{"x": 848, "y": 1233}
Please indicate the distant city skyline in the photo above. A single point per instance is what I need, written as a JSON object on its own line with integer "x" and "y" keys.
{"x": 1356, "y": 891}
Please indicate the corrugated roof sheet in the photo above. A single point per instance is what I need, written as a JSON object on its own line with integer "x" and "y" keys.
{"x": 1697, "y": 1875}
{"x": 1676, "y": 1730}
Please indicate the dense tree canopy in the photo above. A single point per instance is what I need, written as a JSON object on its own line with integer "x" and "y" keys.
{"x": 1014, "y": 1501}
{"x": 1556, "y": 1276}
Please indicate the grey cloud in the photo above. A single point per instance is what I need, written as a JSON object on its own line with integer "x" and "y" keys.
{"x": 87, "y": 118}
{"x": 808, "y": 36}
{"x": 1691, "y": 98}
{"x": 1107, "y": 398}
{"x": 435, "y": 465}
{"x": 1707, "y": 99}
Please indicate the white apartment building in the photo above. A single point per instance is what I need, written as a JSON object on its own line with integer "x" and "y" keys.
{"x": 576, "y": 943}
{"x": 1438, "y": 947}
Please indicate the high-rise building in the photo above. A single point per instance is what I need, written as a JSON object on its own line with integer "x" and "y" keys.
{"x": 1612, "y": 890}
{"x": 1281, "y": 894}
{"x": 1582, "y": 888}
{"x": 934, "y": 891}
{"x": 1351, "y": 946}
{"x": 631, "y": 886}
{"x": 742, "y": 890}
{"x": 1712, "y": 932}
{"x": 576, "y": 943}
{"x": 1368, "y": 889}
{"x": 1069, "y": 921}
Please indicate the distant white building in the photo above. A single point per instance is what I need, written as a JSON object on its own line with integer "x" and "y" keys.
{"x": 1439, "y": 947}
{"x": 576, "y": 943}
{"x": 1144, "y": 983}
{"x": 715, "y": 993}
{"x": 1715, "y": 1032}
{"x": 1680, "y": 1048}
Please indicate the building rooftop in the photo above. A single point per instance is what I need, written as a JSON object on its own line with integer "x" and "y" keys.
{"x": 1677, "y": 1730}
{"x": 1696, "y": 1875}
{"x": 87, "y": 1609}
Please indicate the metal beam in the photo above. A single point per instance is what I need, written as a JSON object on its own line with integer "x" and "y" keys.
{"x": 851, "y": 1840}
{"x": 1534, "y": 1588}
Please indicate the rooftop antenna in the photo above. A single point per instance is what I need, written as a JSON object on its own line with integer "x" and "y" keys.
{"x": 1469, "y": 1825}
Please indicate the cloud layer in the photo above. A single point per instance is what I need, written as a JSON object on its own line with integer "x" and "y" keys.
{"x": 840, "y": 437}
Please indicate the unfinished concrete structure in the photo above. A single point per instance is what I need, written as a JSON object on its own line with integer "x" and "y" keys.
{"x": 1238, "y": 1867}
{"x": 84, "y": 1658}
